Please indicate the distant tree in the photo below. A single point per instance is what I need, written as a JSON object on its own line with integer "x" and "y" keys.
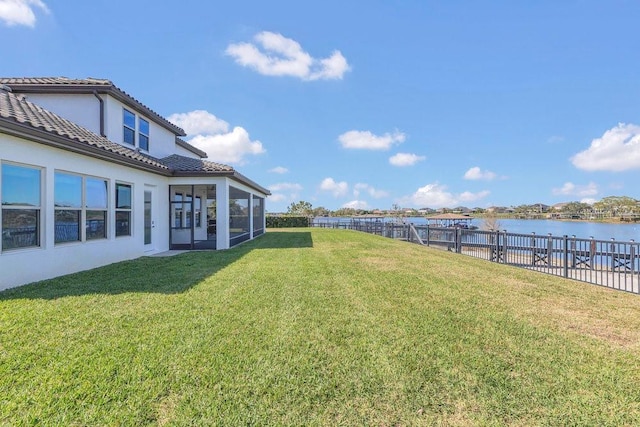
{"x": 577, "y": 208}
{"x": 345, "y": 212}
{"x": 320, "y": 211}
{"x": 617, "y": 205}
{"x": 490, "y": 221}
{"x": 300, "y": 208}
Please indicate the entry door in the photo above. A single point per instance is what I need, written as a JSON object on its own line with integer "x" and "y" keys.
{"x": 149, "y": 223}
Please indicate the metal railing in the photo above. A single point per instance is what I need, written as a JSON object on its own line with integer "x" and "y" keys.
{"x": 610, "y": 263}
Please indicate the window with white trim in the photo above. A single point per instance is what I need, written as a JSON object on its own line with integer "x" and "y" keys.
{"x": 79, "y": 200}
{"x": 68, "y": 207}
{"x": 136, "y": 130}
{"x": 143, "y": 134}
{"x": 96, "y": 204}
{"x": 129, "y": 127}
{"x": 123, "y": 209}
{"x": 20, "y": 192}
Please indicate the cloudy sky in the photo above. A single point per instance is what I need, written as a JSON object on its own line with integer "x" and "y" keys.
{"x": 416, "y": 103}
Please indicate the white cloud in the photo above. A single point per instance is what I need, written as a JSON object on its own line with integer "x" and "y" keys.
{"x": 555, "y": 139}
{"x": 285, "y": 191}
{"x": 279, "y": 170}
{"x": 436, "y": 196}
{"x": 371, "y": 191}
{"x": 230, "y": 147}
{"x": 281, "y": 56}
{"x": 365, "y": 140}
{"x": 211, "y": 135}
{"x": 338, "y": 189}
{"x": 199, "y": 122}
{"x": 570, "y": 189}
{"x": 285, "y": 186}
{"x": 356, "y": 204}
{"x": 277, "y": 197}
{"x": 20, "y": 12}
{"x": 475, "y": 174}
{"x": 617, "y": 150}
{"x": 405, "y": 159}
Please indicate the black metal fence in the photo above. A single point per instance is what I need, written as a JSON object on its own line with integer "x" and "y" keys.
{"x": 610, "y": 263}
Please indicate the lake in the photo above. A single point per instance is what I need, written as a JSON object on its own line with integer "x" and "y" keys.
{"x": 581, "y": 229}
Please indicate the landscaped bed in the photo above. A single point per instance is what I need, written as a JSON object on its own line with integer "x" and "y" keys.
{"x": 318, "y": 327}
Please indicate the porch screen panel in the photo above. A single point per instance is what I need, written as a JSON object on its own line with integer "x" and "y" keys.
{"x": 238, "y": 216}
{"x": 258, "y": 215}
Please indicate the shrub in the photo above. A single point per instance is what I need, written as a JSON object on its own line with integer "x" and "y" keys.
{"x": 287, "y": 221}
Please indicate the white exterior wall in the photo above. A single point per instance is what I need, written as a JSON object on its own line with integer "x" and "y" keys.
{"x": 22, "y": 266}
{"x": 184, "y": 152}
{"x": 81, "y": 109}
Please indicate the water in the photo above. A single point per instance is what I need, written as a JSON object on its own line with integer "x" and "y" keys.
{"x": 581, "y": 229}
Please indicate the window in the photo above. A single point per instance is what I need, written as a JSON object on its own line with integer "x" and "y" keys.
{"x": 123, "y": 209}
{"x": 177, "y": 204}
{"x": 143, "y": 134}
{"x": 187, "y": 210}
{"x": 129, "y": 120}
{"x": 198, "y": 211}
{"x": 21, "y": 187}
{"x": 68, "y": 207}
{"x": 80, "y": 199}
{"x": 96, "y": 208}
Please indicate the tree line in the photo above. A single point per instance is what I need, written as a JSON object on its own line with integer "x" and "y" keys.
{"x": 608, "y": 207}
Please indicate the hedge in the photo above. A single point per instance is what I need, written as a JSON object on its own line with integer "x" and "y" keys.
{"x": 287, "y": 221}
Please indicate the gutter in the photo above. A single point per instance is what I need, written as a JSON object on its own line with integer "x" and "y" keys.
{"x": 95, "y": 93}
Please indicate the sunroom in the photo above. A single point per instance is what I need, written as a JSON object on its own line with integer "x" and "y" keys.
{"x": 217, "y": 214}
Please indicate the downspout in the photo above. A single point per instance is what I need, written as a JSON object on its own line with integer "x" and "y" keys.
{"x": 95, "y": 93}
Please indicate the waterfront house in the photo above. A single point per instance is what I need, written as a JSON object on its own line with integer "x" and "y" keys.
{"x": 90, "y": 176}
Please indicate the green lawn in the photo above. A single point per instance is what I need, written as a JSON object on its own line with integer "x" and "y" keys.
{"x": 318, "y": 327}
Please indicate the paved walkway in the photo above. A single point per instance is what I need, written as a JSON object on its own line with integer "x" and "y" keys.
{"x": 169, "y": 253}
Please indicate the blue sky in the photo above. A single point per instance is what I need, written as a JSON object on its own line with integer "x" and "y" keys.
{"x": 369, "y": 104}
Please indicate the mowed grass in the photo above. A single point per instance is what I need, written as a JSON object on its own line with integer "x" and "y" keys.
{"x": 318, "y": 327}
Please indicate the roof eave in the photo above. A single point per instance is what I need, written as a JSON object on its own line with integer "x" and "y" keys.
{"x": 226, "y": 174}
{"x": 107, "y": 89}
{"x": 191, "y": 148}
{"x": 19, "y": 130}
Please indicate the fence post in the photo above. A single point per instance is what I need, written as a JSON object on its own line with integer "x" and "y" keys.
{"x": 549, "y": 250}
{"x": 428, "y": 234}
{"x": 632, "y": 253}
{"x": 565, "y": 262}
{"x": 533, "y": 249}
{"x": 458, "y": 240}
{"x": 504, "y": 247}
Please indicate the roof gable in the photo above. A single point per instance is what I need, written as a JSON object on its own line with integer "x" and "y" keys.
{"x": 66, "y": 85}
{"x": 31, "y": 116}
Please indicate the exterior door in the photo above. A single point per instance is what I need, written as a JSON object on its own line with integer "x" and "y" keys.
{"x": 149, "y": 223}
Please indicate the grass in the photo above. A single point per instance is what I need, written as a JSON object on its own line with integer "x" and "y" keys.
{"x": 318, "y": 327}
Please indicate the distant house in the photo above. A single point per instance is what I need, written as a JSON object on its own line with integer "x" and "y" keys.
{"x": 90, "y": 176}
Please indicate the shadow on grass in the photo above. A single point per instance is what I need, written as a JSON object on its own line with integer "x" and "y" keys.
{"x": 168, "y": 275}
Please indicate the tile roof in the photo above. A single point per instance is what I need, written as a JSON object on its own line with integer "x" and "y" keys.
{"x": 33, "y": 120}
{"x": 88, "y": 85}
{"x": 188, "y": 164}
{"x": 17, "y": 110}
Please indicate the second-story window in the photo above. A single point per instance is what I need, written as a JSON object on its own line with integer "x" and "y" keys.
{"x": 129, "y": 121}
{"x": 143, "y": 134}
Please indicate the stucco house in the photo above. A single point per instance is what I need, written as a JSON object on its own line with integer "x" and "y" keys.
{"x": 90, "y": 176}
